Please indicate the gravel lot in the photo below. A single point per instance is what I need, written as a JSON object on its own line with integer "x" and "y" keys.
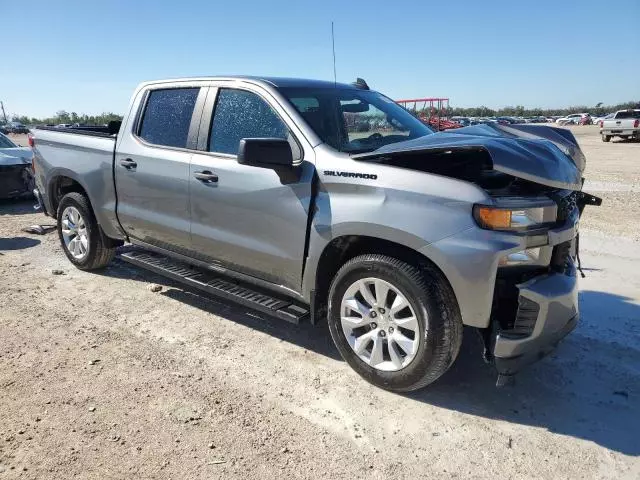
{"x": 102, "y": 378}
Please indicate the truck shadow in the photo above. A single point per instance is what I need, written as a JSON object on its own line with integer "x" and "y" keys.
{"x": 17, "y": 243}
{"x": 588, "y": 388}
{"x": 17, "y": 206}
{"x": 313, "y": 338}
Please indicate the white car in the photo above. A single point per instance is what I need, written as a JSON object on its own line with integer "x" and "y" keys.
{"x": 598, "y": 120}
{"x": 573, "y": 119}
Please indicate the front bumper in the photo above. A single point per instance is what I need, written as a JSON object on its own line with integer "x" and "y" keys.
{"x": 522, "y": 312}
{"x": 14, "y": 180}
{"x": 547, "y": 303}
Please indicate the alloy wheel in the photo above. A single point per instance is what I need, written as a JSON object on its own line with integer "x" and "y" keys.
{"x": 74, "y": 233}
{"x": 380, "y": 324}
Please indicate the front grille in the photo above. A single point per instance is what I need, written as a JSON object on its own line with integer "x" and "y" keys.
{"x": 525, "y": 321}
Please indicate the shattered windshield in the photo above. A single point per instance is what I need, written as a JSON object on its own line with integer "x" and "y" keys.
{"x": 355, "y": 121}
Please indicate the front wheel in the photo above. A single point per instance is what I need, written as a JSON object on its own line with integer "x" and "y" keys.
{"x": 397, "y": 326}
{"x": 80, "y": 235}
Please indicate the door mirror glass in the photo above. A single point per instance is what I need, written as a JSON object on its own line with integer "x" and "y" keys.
{"x": 265, "y": 151}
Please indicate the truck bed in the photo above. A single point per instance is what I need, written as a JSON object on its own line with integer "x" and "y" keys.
{"x": 92, "y": 130}
{"x": 84, "y": 155}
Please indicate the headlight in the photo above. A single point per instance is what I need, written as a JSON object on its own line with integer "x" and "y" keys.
{"x": 515, "y": 219}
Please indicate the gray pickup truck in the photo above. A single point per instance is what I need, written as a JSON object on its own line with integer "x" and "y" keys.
{"x": 624, "y": 124}
{"x": 309, "y": 199}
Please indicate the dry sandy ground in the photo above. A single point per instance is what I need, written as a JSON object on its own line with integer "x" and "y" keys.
{"x": 102, "y": 378}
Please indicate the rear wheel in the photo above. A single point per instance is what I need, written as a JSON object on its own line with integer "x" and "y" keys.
{"x": 606, "y": 138}
{"x": 82, "y": 241}
{"x": 397, "y": 326}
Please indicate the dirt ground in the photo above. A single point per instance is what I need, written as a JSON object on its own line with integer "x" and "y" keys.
{"x": 102, "y": 378}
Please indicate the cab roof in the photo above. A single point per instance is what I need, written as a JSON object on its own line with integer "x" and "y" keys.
{"x": 277, "y": 82}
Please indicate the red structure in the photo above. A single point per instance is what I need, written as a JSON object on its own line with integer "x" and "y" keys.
{"x": 432, "y": 111}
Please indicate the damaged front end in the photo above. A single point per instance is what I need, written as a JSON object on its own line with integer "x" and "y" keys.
{"x": 527, "y": 244}
{"x": 535, "y": 299}
{"x": 16, "y": 175}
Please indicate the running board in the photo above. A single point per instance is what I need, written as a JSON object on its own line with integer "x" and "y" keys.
{"x": 222, "y": 287}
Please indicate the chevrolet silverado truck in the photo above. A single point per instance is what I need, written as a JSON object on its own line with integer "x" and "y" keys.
{"x": 270, "y": 193}
{"x": 624, "y": 124}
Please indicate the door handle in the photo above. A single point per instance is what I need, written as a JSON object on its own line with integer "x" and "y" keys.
{"x": 128, "y": 163}
{"x": 206, "y": 176}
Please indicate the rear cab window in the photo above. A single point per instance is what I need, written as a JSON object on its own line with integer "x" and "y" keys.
{"x": 242, "y": 114}
{"x": 167, "y": 116}
{"x": 628, "y": 114}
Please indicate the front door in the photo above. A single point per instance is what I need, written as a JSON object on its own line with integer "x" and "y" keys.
{"x": 250, "y": 219}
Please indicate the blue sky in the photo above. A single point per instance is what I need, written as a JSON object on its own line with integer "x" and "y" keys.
{"x": 87, "y": 56}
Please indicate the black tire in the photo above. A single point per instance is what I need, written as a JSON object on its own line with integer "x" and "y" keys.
{"x": 430, "y": 296}
{"x": 99, "y": 252}
{"x": 606, "y": 138}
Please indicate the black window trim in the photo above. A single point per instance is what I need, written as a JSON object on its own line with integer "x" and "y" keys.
{"x": 209, "y": 108}
{"x": 192, "y": 134}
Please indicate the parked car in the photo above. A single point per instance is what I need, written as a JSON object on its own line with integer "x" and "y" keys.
{"x": 506, "y": 120}
{"x": 262, "y": 196}
{"x": 464, "y": 121}
{"x": 3, "y": 129}
{"x": 573, "y": 119}
{"x": 16, "y": 178}
{"x": 624, "y": 124}
{"x": 598, "y": 120}
{"x": 16, "y": 127}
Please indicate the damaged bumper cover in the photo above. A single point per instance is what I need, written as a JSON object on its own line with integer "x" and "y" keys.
{"x": 522, "y": 311}
{"x": 16, "y": 178}
{"x": 548, "y": 303}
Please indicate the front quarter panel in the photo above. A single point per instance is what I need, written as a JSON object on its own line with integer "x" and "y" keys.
{"x": 411, "y": 208}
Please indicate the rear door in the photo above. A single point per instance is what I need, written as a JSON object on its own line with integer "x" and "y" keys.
{"x": 250, "y": 219}
{"x": 152, "y": 165}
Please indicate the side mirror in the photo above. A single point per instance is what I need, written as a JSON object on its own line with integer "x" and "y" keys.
{"x": 265, "y": 151}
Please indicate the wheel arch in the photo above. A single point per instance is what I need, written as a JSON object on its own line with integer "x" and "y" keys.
{"x": 343, "y": 248}
{"x": 61, "y": 184}
{"x": 61, "y": 181}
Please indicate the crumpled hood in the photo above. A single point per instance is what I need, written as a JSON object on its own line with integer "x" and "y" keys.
{"x": 15, "y": 156}
{"x": 541, "y": 154}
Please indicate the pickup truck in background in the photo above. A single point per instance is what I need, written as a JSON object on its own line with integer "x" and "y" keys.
{"x": 624, "y": 124}
{"x": 260, "y": 191}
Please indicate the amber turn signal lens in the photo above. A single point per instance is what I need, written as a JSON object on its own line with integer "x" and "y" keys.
{"x": 495, "y": 218}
